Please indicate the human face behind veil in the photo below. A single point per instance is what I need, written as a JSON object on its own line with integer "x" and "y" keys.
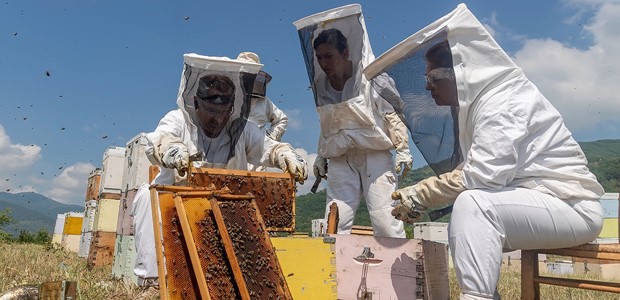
{"x": 441, "y": 85}
{"x": 336, "y": 65}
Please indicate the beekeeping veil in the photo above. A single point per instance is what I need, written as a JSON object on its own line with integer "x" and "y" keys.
{"x": 348, "y": 115}
{"x": 242, "y": 74}
{"x": 480, "y": 67}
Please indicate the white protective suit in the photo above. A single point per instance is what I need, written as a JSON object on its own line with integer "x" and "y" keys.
{"x": 263, "y": 111}
{"x": 179, "y": 125}
{"x": 358, "y": 128}
{"x": 524, "y": 183}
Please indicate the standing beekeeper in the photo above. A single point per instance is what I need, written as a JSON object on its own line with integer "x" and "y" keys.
{"x": 358, "y": 128}
{"x": 262, "y": 110}
{"x": 523, "y": 182}
{"x": 209, "y": 127}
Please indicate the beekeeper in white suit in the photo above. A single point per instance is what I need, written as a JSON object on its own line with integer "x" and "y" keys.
{"x": 263, "y": 111}
{"x": 523, "y": 183}
{"x": 358, "y": 128}
{"x": 210, "y": 127}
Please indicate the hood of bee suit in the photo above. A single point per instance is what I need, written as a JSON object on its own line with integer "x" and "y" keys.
{"x": 347, "y": 114}
{"x": 476, "y": 62}
{"x": 242, "y": 73}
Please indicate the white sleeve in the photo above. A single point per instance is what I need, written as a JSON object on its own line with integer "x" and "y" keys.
{"x": 277, "y": 118}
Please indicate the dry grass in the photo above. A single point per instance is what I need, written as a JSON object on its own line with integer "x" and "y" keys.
{"x": 22, "y": 264}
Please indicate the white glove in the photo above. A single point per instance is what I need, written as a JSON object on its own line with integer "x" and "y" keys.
{"x": 176, "y": 157}
{"x": 403, "y": 162}
{"x": 320, "y": 167}
{"x": 409, "y": 210}
{"x": 291, "y": 162}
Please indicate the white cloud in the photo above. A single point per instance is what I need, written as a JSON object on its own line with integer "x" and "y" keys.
{"x": 70, "y": 186}
{"x": 581, "y": 84}
{"x": 294, "y": 118}
{"x": 16, "y": 156}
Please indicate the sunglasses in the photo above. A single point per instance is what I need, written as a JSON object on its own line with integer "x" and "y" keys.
{"x": 438, "y": 74}
{"x": 217, "y": 98}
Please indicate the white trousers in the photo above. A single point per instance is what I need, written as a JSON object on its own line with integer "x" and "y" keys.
{"x": 368, "y": 174}
{"x": 484, "y": 223}
{"x": 144, "y": 237}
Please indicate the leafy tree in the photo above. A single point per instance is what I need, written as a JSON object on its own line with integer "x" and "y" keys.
{"x": 5, "y": 219}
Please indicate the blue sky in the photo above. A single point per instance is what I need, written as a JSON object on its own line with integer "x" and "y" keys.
{"x": 115, "y": 66}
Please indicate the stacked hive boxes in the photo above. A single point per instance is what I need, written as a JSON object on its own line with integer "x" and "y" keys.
{"x": 58, "y": 228}
{"x": 71, "y": 231}
{"x": 136, "y": 173}
{"x": 92, "y": 192}
{"x": 103, "y": 237}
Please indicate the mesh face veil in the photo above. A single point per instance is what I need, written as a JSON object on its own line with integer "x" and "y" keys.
{"x": 411, "y": 84}
{"x": 207, "y": 79}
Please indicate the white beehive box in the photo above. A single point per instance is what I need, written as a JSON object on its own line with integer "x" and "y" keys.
{"x": 431, "y": 231}
{"x": 112, "y": 171}
{"x": 89, "y": 216}
{"x": 60, "y": 224}
{"x": 137, "y": 164}
{"x": 71, "y": 242}
{"x": 85, "y": 239}
{"x": 318, "y": 227}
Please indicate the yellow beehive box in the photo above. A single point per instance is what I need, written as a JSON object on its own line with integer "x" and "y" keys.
{"x": 73, "y": 224}
{"x": 106, "y": 216}
{"x": 309, "y": 266}
{"x": 610, "y": 228}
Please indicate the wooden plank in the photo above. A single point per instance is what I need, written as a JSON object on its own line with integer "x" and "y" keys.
{"x": 195, "y": 171}
{"x": 191, "y": 247}
{"x": 361, "y": 230}
{"x": 212, "y": 255}
{"x": 161, "y": 269}
{"x": 232, "y": 258}
{"x": 612, "y": 287}
{"x": 436, "y": 282}
{"x": 57, "y": 290}
{"x": 582, "y": 253}
{"x": 113, "y": 196}
{"x": 332, "y": 219}
{"x": 180, "y": 281}
{"x": 530, "y": 290}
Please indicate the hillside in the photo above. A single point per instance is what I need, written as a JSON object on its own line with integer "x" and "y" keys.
{"x": 603, "y": 160}
{"x": 33, "y": 211}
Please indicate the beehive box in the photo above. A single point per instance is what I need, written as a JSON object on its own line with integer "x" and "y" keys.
{"x": 101, "y": 252}
{"x": 309, "y": 266}
{"x": 137, "y": 165}
{"x": 94, "y": 184}
{"x": 112, "y": 171}
{"x": 85, "y": 240}
{"x": 215, "y": 245}
{"x": 73, "y": 224}
{"x": 400, "y": 269}
{"x": 60, "y": 224}
{"x": 106, "y": 216}
{"x": 124, "y": 225}
{"x": 56, "y": 239}
{"x": 70, "y": 242}
{"x": 90, "y": 209}
{"x": 124, "y": 258}
{"x": 274, "y": 193}
{"x": 431, "y": 231}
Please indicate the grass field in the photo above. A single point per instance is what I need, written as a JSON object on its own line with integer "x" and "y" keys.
{"x": 23, "y": 264}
